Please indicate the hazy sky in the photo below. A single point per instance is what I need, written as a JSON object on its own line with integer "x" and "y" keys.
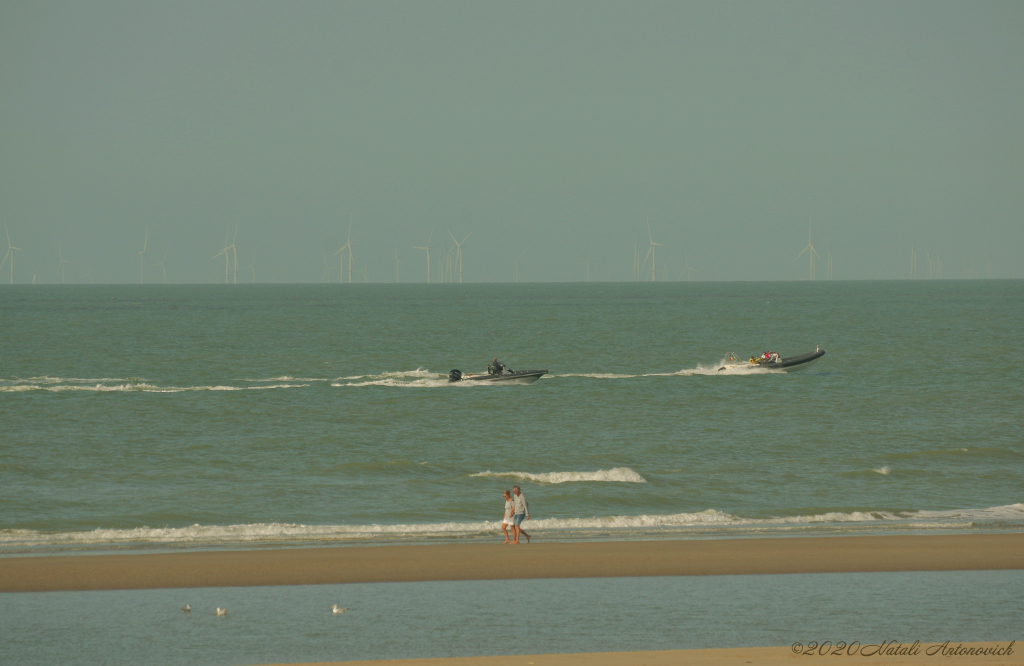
{"x": 551, "y": 130}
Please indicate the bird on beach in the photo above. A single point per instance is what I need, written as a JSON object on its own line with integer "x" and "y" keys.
{"x": 187, "y": 608}
{"x": 336, "y": 610}
{"x": 222, "y": 611}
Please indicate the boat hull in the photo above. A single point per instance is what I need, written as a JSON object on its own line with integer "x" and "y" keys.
{"x": 793, "y": 363}
{"x": 521, "y": 377}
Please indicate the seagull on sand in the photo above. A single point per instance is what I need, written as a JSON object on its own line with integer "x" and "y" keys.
{"x": 336, "y": 610}
{"x": 222, "y": 611}
{"x": 187, "y": 608}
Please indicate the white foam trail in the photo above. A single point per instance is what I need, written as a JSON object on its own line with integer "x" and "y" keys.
{"x": 597, "y": 375}
{"x": 619, "y": 474}
{"x": 726, "y": 367}
{"x": 418, "y": 378}
{"x": 884, "y": 471}
{"x": 419, "y": 383}
{"x": 287, "y": 378}
{"x": 142, "y": 387}
{"x": 682, "y": 523}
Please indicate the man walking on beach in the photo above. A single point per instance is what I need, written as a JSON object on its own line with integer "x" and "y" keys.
{"x": 520, "y": 512}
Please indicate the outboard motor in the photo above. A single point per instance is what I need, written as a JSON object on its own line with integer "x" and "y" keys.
{"x": 455, "y": 376}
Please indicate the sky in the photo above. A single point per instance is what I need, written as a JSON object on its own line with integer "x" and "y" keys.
{"x": 550, "y": 133}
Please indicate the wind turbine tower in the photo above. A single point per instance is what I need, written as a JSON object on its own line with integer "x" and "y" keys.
{"x": 234, "y": 251}
{"x": 60, "y": 266}
{"x": 145, "y": 241}
{"x": 227, "y": 258}
{"x": 686, "y": 267}
{"x": 654, "y": 272}
{"x": 427, "y": 249}
{"x": 348, "y": 244}
{"x": 10, "y": 252}
{"x": 810, "y": 246}
{"x": 398, "y": 265}
{"x": 458, "y": 254}
{"x": 161, "y": 265}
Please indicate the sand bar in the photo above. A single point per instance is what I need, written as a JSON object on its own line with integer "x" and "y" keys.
{"x": 763, "y": 656}
{"x": 371, "y": 564}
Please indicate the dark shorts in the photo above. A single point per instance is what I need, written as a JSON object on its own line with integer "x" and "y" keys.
{"x": 517, "y": 519}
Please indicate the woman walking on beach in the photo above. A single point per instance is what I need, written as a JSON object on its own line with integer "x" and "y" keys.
{"x": 506, "y": 519}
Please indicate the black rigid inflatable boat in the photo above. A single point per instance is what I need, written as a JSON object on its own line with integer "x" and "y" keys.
{"x": 790, "y": 363}
{"x": 511, "y": 376}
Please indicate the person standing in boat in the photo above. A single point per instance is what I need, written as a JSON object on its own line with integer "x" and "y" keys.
{"x": 520, "y": 512}
{"x": 498, "y": 367}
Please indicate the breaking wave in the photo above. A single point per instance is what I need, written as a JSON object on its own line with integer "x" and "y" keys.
{"x": 620, "y": 474}
{"x": 711, "y": 523}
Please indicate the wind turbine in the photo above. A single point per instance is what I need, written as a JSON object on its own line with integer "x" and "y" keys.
{"x": 10, "y": 252}
{"x": 161, "y": 265}
{"x": 651, "y": 254}
{"x": 687, "y": 268}
{"x": 810, "y": 246}
{"x": 398, "y": 264}
{"x": 60, "y": 267}
{"x": 427, "y": 248}
{"x": 89, "y": 273}
{"x": 346, "y": 246}
{"x": 234, "y": 250}
{"x": 145, "y": 241}
{"x": 458, "y": 255}
{"x": 224, "y": 251}
{"x": 587, "y": 264}
{"x": 251, "y": 268}
{"x": 829, "y": 272}
{"x": 341, "y": 263}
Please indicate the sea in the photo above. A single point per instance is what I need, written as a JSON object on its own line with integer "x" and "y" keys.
{"x": 146, "y": 418}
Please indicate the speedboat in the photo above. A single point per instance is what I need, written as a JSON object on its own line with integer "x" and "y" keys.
{"x": 511, "y": 376}
{"x": 772, "y": 361}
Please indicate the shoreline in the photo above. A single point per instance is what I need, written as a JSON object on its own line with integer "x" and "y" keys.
{"x": 494, "y": 561}
{"x": 892, "y": 654}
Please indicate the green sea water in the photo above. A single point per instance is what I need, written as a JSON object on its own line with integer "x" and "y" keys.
{"x": 218, "y": 416}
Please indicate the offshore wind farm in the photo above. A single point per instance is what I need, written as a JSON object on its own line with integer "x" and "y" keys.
{"x": 871, "y": 137}
{"x": 450, "y": 266}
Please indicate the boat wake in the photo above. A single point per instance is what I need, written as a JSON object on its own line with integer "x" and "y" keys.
{"x": 620, "y": 474}
{"x": 125, "y": 385}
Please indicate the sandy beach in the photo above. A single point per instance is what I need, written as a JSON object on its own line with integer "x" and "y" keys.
{"x": 763, "y": 656}
{"x": 308, "y": 566}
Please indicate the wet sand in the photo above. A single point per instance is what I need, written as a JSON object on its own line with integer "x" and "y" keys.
{"x": 369, "y": 564}
{"x": 763, "y": 656}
